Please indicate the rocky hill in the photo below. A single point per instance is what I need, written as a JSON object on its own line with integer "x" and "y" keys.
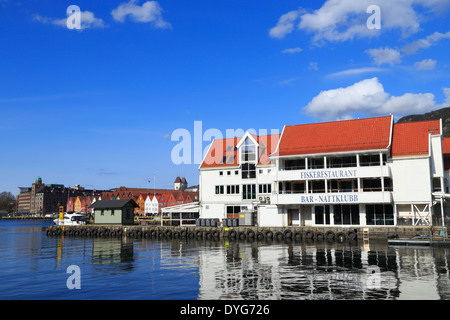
{"x": 443, "y": 114}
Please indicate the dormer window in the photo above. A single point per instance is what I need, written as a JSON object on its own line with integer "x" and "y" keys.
{"x": 248, "y": 151}
{"x": 248, "y": 159}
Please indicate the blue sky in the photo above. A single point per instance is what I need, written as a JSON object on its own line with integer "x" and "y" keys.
{"x": 97, "y": 106}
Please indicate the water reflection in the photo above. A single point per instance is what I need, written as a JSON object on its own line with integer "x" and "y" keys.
{"x": 203, "y": 269}
{"x": 323, "y": 271}
{"x": 107, "y": 251}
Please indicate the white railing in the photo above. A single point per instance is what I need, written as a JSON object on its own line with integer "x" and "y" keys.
{"x": 334, "y": 173}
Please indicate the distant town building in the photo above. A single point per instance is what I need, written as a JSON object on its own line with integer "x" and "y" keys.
{"x": 42, "y": 198}
{"x": 23, "y": 200}
{"x": 180, "y": 184}
{"x": 151, "y": 201}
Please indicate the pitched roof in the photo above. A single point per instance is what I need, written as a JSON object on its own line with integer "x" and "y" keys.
{"x": 446, "y": 146}
{"x": 223, "y": 152}
{"x": 111, "y": 204}
{"x": 411, "y": 138}
{"x": 446, "y": 152}
{"x": 336, "y": 136}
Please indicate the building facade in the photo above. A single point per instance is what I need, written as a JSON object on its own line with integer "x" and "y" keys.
{"x": 114, "y": 212}
{"x": 364, "y": 172}
{"x": 42, "y": 198}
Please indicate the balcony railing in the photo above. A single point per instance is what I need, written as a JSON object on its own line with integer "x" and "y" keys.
{"x": 300, "y": 173}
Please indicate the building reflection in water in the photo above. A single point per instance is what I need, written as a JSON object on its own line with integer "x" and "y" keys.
{"x": 107, "y": 251}
{"x": 253, "y": 270}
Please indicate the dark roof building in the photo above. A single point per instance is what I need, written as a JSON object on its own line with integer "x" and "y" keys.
{"x": 114, "y": 211}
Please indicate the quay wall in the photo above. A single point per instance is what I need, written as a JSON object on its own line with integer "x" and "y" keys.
{"x": 332, "y": 233}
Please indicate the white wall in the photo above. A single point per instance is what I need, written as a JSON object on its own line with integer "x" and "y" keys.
{"x": 437, "y": 161}
{"x": 411, "y": 180}
{"x": 271, "y": 216}
{"x": 214, "y": 205}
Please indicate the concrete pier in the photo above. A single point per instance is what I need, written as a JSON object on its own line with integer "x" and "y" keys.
{"x": 319, "y": 233}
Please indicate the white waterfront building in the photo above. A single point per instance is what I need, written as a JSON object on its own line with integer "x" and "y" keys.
{"x": 363, "y": 172}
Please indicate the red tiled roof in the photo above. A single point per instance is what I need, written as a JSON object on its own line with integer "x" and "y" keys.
{"x": 219, "y": 150}
{"x": 337, "y": 136}
{"x": 411, "y": 138}
{"x": 446, "y": 146}
{"x": 223, "y": 152}
{"x": 446, "y": 152}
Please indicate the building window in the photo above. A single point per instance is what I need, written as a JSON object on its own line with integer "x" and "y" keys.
{"x": 228, "y": 173}
{"x": 380, "y": 215}
{"x": 369, "y": 160}
{"x": 233, "y": 211}
{"x": 248, "y": 191}
{"x": 248, "y": 160}
{"x": 248, "y": 151}
{"x": 341, "y": 162}
{"x": 112, "y": 212}
{"x": 219, "y": 189}
{"x": 316, "y": 163}
{"x": 220, "y": 173}
{"x": 297, "y": 164}
{"x": 388, "y": 184}
{"x": 233, "y": 189}
{"x": 102, "y": 212}
{"x": 316, "y": 186}
{"x": 322, "y": 214}
{"x": 342, "y": 186}
{"x": 437, "y": 185}
{"x": 265, "y": 188}
{"x": 371, "y": 184}
{"x": 248, "y": 171}
{"x": 346, "y": 214}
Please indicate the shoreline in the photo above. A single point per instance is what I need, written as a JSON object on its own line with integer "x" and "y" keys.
{"x": 27, "y": 218}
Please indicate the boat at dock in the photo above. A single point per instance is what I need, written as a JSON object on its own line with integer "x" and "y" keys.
{"x": 422, "y": 240}
{"x": 71, "y": 219}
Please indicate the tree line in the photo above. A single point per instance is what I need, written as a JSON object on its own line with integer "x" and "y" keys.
{"x": 7, "y": 201}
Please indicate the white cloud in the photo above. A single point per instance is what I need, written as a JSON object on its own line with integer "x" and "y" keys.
{"x": 313, "y": 66}
{"x": 285, "y": 24}
{"x": 368, "y": 97}
{"x": 426, "y": 64}
{"x": 426, "y": 42}
{"x": 447, "y": 96}
{"x": 356, "y": 71}
{"x": 292, "y": 50}
{"x": 88, "y": 20}
{"x": 384, "y": 55}
{"x": 342, "y": 20}
{"x": 150, "y": 11}
{"x": 287, "y": 81}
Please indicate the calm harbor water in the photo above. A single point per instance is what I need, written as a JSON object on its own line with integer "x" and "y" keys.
{"x": 34, "y": 266}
